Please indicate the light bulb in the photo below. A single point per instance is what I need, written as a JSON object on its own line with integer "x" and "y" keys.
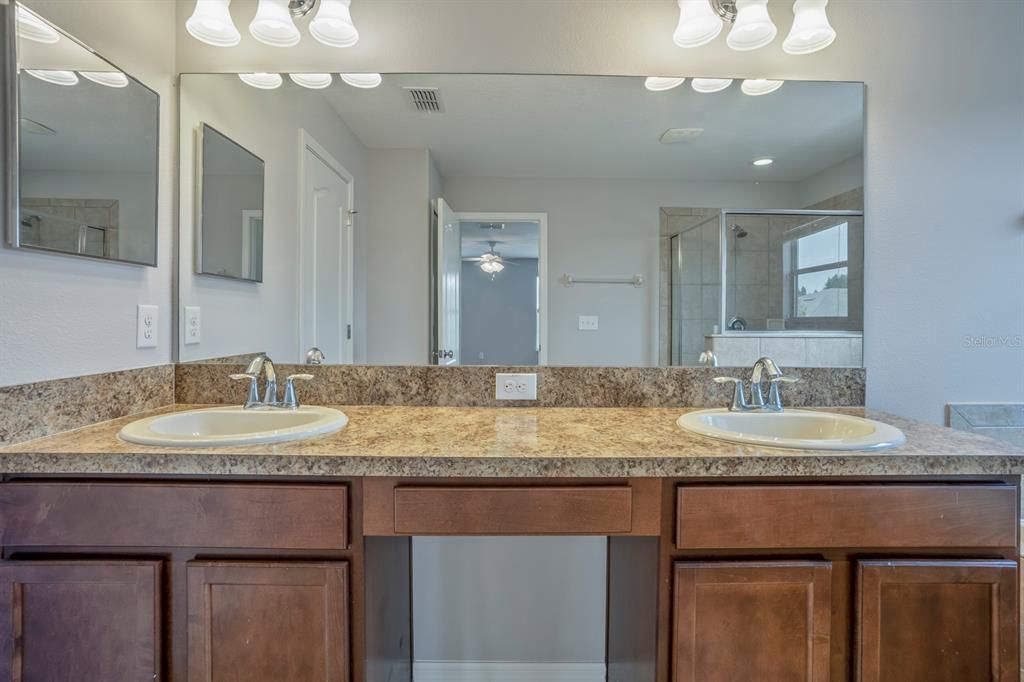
{"x": 54, "y": 77}
{"x": 211, "y": 23}
{"x": 759, "y": 86}
{"x": 811, "y": 31}
{"x": 111, "y": 79}
{"x": 313, "y": 81}
{"x": 273, "y": 24}
{"x": 698, "y": 24}
{"x": 362, "y": 80}
{"x": 32, "y": 27}
{"x": 263, "y": 81}
{"x": 333, "y": 25}
{"x": 659, "y": 84}
{"x": 709, "y": 85}
{"x": 753, "y": 27}
{"x": 763, "y": 161}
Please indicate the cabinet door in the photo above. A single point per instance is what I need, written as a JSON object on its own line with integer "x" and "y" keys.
{"x": 767, "y": 621}
{"x": 268, "y": 622}
{"x": 84, "y": 621}
{"x": 937, "y": 621}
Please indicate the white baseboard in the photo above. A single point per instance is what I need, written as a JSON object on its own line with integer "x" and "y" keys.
{"x": 507, "y": 671}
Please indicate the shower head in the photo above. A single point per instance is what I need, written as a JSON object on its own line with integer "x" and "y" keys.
{"x": 739, "y": 232}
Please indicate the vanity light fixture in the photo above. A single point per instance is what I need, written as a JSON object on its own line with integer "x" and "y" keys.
{"x": 753, "y": 28}
{"x": 32, "y": 27}
{"x": 263, "y": 81}
{"x": 211, "y": 23}
{"x": 699, "y": 24}
{"x": 362, "y": 80}
{"x": 111, "y": 79}
{"x": 273, "y": 24}
{"x": 709, "y": 85}
{"x": 756, "y": 87}
{"x": 763, "y": 161}
{"x": 333, "y": 25}
{"x": 313, "y": 81}
{"x": 811, "y": 31}
{"x": 660, "y": 84}
{"x": 53, "y": 76}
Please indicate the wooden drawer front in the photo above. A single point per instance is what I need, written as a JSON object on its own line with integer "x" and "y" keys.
{"x": 868, "y": 516}
{"x": 535, "y": 510}
{"x": 173, "y": 515}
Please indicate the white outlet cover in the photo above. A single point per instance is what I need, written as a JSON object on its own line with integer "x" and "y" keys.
{"x": 147, "y": 326}
{"x": 515, "y": 386}
{"x": 589, "y": 323}
{"x": 193, "y": 325}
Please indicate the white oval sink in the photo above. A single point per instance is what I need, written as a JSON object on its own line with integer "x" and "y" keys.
{"x": 800, "y": 429}
{"x": 234, "y": 426}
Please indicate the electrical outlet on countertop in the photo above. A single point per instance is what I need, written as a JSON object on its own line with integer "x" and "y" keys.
{"x": 515, "y": 386}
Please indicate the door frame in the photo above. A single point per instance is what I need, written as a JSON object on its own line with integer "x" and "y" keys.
{"x": 542, "y": 260}
{"x": 308, "y": 143}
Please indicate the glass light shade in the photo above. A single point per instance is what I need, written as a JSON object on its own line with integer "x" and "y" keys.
{"x": 35, "y": 29}
{"x": 491, "y": 266}
{"x": 753, "y": 28}
{"x": 313, "y": 81}
{"x": 211, "y": 23}
{"x": 273, "y": 24}
{"x": 263, "y": 81}
{"x": 759, "y": 86}
{"x": 698, "y": 24}
{"x": 811, "y": 31}
{"x": 333, "y": 25}
{"x": 111, "y": 79}
{"x": 659, "y": 84}
{"x": 709, "y": 85}
{"x": 362, "y": 80}
{"x": 54, "y": 77}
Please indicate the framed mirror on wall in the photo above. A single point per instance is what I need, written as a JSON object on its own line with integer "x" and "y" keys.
{"x": 524, "y": 219}
{"x": 87, "y": 175}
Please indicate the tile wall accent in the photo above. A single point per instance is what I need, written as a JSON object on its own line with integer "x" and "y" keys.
{"x": 557, "y": 386}
{"x": 41, "y": 409}
{"x": 841, "y": 350}
{"x": 1004, "y": 421}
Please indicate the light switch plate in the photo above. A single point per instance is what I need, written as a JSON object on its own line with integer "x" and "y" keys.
{"x": 589, "y": 323}
{"x": 147, "y": 326}
{"x": 193, "y": 325}
{"x": 515, "y": 386}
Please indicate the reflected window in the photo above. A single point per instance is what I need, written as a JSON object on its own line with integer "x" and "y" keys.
{"x": 821, "y": 274}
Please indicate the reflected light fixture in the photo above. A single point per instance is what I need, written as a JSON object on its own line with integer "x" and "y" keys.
{"x": 53, "y": 76}
{"x": 699, "y": 24}
{"x": 756, "y": 87}
{"x": 362, "y": 80}
{"x": 111, "y": 79}
{"x": 333, "y": 25}
{"x": 811, "y": 31}
{"x": 660, "y": 84}
{"x": 313, "y": 81}
{"x": 709, "y": 85}
{"x": 34, "y": 28}
{"x": 263, "y": 81}
{"x": 273, "y": 24}
{"x": 211, "y": 23}
{"x": 763, "y": 161}
{"x": 753, "y": 27}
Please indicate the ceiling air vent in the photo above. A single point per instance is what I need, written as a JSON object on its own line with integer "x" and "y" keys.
{"x": 426, "y": 99}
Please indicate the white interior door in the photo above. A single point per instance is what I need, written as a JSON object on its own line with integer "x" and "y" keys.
{"x": 449, "y": 284}
{"x": 326, "y": 258}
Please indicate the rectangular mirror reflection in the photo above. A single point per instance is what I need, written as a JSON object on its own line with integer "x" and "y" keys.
{"x": 563, "y": 220}
{"x": 87, "y": 173}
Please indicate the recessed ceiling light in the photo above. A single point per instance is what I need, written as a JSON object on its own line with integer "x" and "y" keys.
{"x": 660, "y": 84}
{"x": 111, "y": 79}
{"x": 32, "y": 27}
{"x": 763, "y": 161}
{"x": 362, "y": 80}
{"x": 709, "y": 85}
{"x": 756, "y": 87}
{"x": 313, "y": 81}
{"x": 54, "y": 77}
{"x": 263, "y": 81}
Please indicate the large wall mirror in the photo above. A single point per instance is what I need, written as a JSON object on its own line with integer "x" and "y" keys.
{"x": 531, "y": 219}
{"x": 87, "y": 173}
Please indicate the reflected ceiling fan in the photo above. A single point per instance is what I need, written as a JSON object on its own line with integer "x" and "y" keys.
{"x": 491, "y": 262}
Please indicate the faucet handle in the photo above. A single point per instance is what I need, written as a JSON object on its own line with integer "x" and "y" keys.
{"x": 725, "y": 380}
{"x": 784, "y": 379}
{"x": 254, "y": 392}
{"x": 291, "y": 400}
{"x": 739, "y": 399}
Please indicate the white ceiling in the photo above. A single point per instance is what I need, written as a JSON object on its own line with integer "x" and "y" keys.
{"x": 514, "y": 240}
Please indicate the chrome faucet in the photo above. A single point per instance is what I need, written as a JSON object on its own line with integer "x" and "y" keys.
{"x": 764, "y": 367}
{"x": 262, "y": 364}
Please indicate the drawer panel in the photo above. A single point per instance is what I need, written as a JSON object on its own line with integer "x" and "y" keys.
{"x": 501, "y": 510}
{"x": 247, "y": 516}
{"x": 846, "y": 516}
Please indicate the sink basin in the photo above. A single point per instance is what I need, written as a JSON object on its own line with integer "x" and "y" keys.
{"x": 234, "y": 426}
{"x": 799, "y": 429}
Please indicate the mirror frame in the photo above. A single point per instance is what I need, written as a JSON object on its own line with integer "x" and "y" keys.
{"x": 199, "y": 181}
{"x": 10, "y": 149}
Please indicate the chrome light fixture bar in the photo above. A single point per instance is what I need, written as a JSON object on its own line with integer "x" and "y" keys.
{"x": 274, "y": 23}
{"x": 700, "y": 22}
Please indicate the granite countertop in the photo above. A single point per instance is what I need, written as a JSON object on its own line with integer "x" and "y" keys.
{"x": 511, "y": 442}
